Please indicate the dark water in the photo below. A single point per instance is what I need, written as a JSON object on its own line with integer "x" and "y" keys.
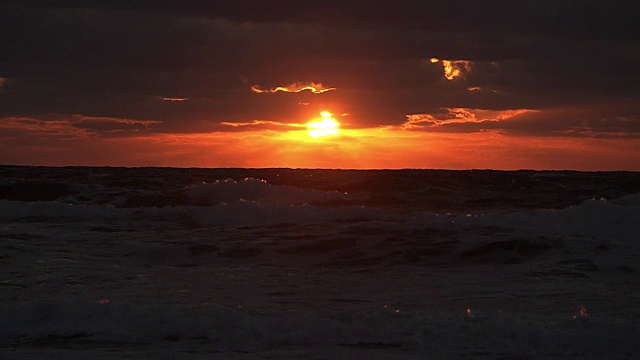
{"x": 114, "y": 263}
{"x": 429, "y": 190}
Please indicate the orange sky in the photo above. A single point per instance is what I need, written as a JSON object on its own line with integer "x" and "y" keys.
{"x": 365, "y": 148}
{"x": 234, "y": 84}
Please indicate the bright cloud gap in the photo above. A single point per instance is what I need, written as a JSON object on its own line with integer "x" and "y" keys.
{"x": 453, "y": 68}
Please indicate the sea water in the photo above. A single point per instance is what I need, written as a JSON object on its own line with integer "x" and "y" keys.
{"x": 129, "y": 263}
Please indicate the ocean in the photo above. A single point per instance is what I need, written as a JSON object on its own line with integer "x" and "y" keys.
{"x": 177, "y": 263}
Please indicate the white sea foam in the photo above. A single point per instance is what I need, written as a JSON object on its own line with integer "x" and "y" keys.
{"x": 599, "y": 218}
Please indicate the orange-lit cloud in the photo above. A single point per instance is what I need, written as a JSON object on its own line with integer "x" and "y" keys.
{"x": 459, "y": 116}
{"x": 262, "y": 124}
{"x": 174, "y": 99}
{"x": 2, "y": 81}
{"x": 316, "y": 88}
{"x": 453, "y": 68}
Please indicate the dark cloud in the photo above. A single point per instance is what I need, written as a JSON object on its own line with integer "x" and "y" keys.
{"x": 119, "y": 59}
{"x": 110, "y": 127}
{"x": 618, "y": 119}
{"x": 583, "y": 19}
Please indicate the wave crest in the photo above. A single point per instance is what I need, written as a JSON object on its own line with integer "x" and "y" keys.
{"x": 257, "y": 190}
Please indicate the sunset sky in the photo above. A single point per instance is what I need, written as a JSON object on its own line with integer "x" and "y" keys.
{"x": 545, "y": 84}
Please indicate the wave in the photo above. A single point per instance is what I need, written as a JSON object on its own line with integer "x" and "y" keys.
{"x": 597, "y": 218}
{"x": 253, "y": 202}
{"x": 239, "y": 213}
{"x": 259, "y": 191}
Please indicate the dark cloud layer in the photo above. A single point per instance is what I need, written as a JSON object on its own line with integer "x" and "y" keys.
{"x": 119, "y": 59}
{"x": 583, "y": 19}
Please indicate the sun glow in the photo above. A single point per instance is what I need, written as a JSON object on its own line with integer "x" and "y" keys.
{"x": 325, "y": 127}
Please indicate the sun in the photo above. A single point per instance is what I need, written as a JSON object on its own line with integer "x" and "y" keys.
{"x": 325, "y": 127}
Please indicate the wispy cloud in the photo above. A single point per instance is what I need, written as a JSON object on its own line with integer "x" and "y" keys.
{"x": 75, "y": 126}
{"x": 448, "y": 116}
{"x": 107, "y": 126}
{"x": 595, "y": 121}
{"x": 316, "y": 88}
{"x": 260, "y": 124}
